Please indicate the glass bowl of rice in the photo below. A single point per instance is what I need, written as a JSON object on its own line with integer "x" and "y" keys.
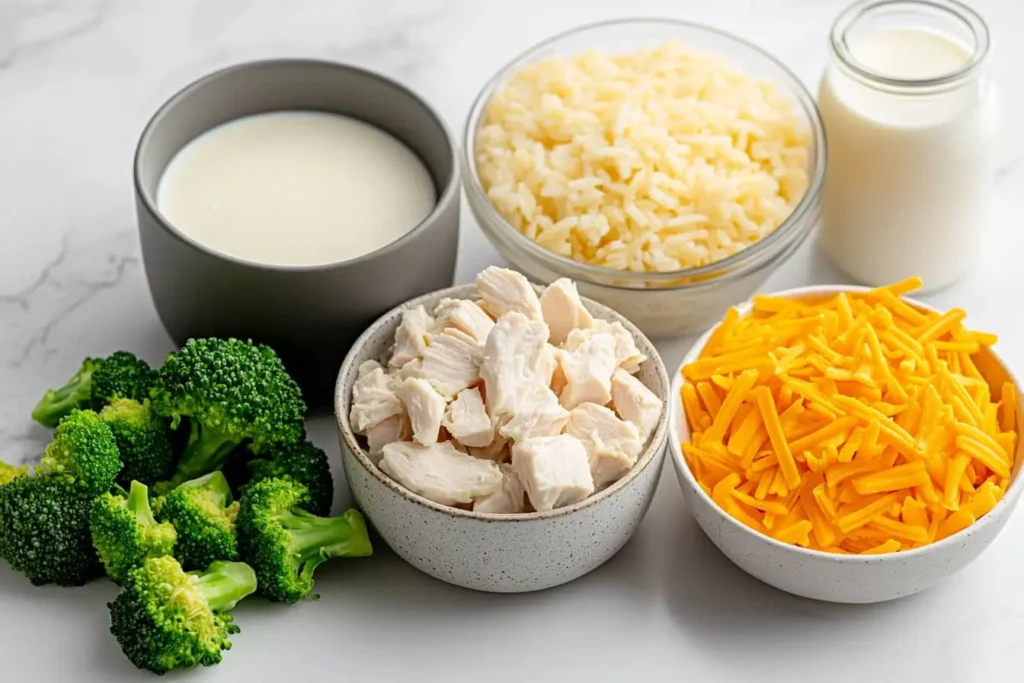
{"x": 667, "y": 167}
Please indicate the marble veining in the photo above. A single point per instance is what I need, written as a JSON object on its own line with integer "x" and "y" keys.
{"x": 78, "y": 81}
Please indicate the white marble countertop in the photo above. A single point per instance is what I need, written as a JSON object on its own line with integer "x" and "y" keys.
{"x": 79, "y": 78}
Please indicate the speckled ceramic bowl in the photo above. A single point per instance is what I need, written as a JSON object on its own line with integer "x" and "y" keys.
{"x": 488, "y": 552}
{"x": 826, "y": 576}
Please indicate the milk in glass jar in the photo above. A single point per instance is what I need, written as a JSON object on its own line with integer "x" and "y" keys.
{"x": 911, "y": 116}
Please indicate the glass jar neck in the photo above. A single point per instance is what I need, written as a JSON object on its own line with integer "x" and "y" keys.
{"x": 947, "y": 20}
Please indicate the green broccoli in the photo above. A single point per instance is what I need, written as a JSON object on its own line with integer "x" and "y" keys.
{"x": 165, "y": 619}
{"x": 285, "y": 544}
{"x": 125, "y": 533}
{"x": 203, "y": 513}
{"x": 83, "y": 453}
{"x": 97, "y": 382}
{"x": 143, "y": 440}
{"x": 302, "y": 463}
{"x": 9, "y": 473}
{"x": 44, "y": 531}
{"x": 232, "y": 392}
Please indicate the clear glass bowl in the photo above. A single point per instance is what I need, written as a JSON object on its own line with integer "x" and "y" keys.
{"x": 667, "y": 303}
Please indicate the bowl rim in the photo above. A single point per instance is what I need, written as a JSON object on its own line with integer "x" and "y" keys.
{"x": 676, "y": 412}
{"x": 445, "y": 195}
{"x": 697, "y": 277}
{"x": 655, "y": 444}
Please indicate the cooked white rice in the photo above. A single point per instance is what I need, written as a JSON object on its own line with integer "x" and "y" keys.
{"x": 655, "y": 160}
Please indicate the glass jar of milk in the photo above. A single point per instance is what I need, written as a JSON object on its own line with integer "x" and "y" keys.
{"x": 911, "y": 116}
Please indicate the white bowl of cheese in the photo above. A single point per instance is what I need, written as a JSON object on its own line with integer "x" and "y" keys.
{"x": 560, "y": 530}
{"x": 861, "y": 575}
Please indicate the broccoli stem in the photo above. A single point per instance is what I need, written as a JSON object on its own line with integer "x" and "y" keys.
{"x": 56, "y": 403}
{"x": 224, "y": 584}
{"x": 316, "y": 539}
{"x": 138, "y": 503}
{"x": 206, "y": 452}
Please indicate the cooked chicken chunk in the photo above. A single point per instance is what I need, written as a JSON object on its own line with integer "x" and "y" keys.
{"x": 612, "y": 445}
{"x": 515, "y": 359}
{"x": 504, "y": 290}
{"x": 539, "y": 415}
{"x": 627, "y": 355}
{"x": 464, "y": 315}
{"x": 510, "y": 498}
{"x": 395, "y": 428}
{"x": 366, "y": 367}
{"x": 440, "y": 472}
{"x": 425, "y": 408}
{"x": 451, "y": 362}
{"x": 413, "y": 368}
{"x": 563, "y": 310}
{"x": 635, "y": 403}
{"x": 588, "y": 371}
{"x": 499, "y": 450}
{"x": 411, "y": 336}
{"x": 554, "y": 470}
{"x": 373, "y": 401}
{"x": 467, "y": 419}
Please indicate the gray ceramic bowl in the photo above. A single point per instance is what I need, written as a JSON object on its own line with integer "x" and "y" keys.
{"x": 828, "y": 576}
{"x": 309, "y": 314}
{"x": 488, "y": 552}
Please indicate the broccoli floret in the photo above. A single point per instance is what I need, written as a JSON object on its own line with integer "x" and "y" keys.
{"x": 44, "y": 531}
{"x": 232, "y": 392}
{"x": 9, "y": 473}
{"x": 203, "y": 513}
{"x": 125, "y": 532}
{"x": 97, "y": 382}
{"x": 285, "y": 544}
{"x": 83, "y": 453}
{"x": 143, "y": 440}
{"x": 302, "y": 463}
{"x": 166, "y": 619}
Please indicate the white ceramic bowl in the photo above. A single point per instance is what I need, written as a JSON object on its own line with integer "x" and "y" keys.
{"x": 827, "y": 576}
{"x": 488, "y": 552}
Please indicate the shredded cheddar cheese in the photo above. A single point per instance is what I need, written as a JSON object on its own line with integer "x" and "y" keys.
{"x": 854, "y": 424}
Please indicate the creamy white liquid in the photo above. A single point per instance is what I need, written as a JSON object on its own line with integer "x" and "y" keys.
{"x": 295, "y": 188}
{"x": 909, "y": 176}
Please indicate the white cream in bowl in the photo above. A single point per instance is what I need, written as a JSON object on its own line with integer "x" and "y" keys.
{"x": 296, "y": 188}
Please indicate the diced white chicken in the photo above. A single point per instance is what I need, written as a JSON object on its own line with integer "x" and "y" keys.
{"x": 366, "y": 367}
{"x": 508, "y": 499}
{"x": 504, "y": 291}
{"x": 467, "y": 420}
{"x": 627, "y": 355}
{"x": 635, "y": 403}
{"x": 411, "y": 336}
{"x": 588, "y": 371}
{"x": 499, "y": 450}
{"x": 425, "y": 408}
{"x": 413, "y": 368}
{"x": 395, "y": 428}
{"x": 563, "y": 311}
{"x": 515, "y": 359}
{"x": 554, "y": 470}
{"x": 451, "y": 362}
{"x": 540, "y": 414}
{"x": 373, "y": 401}
{"x": 612, "y": 444}
{"x": 440, "y": 472}
{"x": 549, "y": 365}
{"x": 463, "y": 315}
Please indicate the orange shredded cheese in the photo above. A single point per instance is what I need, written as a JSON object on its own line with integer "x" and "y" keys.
{"x": 855, "y": 423}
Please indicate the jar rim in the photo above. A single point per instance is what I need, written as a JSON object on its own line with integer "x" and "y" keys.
{"x": 952, "y": 9}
